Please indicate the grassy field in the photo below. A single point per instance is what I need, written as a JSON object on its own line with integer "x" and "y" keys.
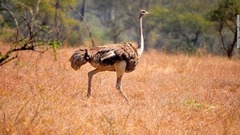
{"x": 169, "y": 95}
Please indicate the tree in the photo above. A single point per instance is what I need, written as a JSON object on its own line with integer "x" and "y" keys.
{"x": 28, "y": 33}
{"x": 111, "y": 15}
{"x": 183, "y": 29}
{"x": 120, "y": 17}
{"x": 224, "y": 17}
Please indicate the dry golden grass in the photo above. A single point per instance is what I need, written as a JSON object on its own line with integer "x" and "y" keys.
{"x": 169, "y": 94}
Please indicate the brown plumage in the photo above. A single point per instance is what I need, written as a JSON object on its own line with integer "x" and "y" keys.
{"x": 113, "y": 57}
{"x": 104, "y": 57}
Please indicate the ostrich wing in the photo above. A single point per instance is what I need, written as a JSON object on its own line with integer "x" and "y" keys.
{"x": 109, "y": 57}
{"x": 112, "y": 53}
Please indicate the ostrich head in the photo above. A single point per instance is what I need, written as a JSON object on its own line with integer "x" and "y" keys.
{"x": 142, "y": 13}
{"x": 79, "y": 58}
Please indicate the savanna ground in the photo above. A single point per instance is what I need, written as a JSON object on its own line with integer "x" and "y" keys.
{"x": 169, "y": 94}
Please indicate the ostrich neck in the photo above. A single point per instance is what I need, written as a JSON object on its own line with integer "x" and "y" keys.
{"x": 140, "y": 39}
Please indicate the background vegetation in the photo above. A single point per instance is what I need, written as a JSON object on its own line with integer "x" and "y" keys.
{"x": 173, "y": 26}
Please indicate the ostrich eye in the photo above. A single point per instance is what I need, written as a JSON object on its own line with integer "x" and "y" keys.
{"x": 144, "y": 12}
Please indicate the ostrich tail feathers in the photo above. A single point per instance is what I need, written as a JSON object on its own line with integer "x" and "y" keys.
{"x": 77, "y": 60}
{"x": 74, "y": 61}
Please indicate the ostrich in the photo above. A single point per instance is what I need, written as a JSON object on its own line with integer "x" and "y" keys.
{"x": 120, "y": 58}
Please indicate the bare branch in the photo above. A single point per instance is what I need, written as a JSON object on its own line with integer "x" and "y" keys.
{"x": 222, "y": 40}
{"x": 27, "y": 42}
{"x": 232, "y": 29}
{"x": 85, "y": 22}
{"x": 11, "y": 14}
{"x": 13, "y": 17}
{"x": 4, "y": 62}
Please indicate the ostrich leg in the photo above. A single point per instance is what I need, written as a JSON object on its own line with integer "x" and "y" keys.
{"x": 120, "y": 69}
{"x": 119, "y": 87}
{"x": 90, "y": 75}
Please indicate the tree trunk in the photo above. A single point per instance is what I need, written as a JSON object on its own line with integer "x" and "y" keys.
{"x": 231, "y": 46}
{"x": 57, "y": 6}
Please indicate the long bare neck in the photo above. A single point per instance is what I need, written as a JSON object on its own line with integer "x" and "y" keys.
{"x": 140, "y": 39}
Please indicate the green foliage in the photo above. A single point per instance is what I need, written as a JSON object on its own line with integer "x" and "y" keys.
{"x": 174, "y": 26}
{"x": 226, "y": 11}
{"x": 194, "y": 104}
{"x": 224, "y": 17}
{"x": 182, "y": 30}
{"x": 55, "y": 45}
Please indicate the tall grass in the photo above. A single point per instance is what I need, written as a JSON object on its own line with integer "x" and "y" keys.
{"x": 169, "y": 94}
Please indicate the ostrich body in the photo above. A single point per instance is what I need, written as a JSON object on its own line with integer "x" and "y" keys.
{"x": 120, "y": 58}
